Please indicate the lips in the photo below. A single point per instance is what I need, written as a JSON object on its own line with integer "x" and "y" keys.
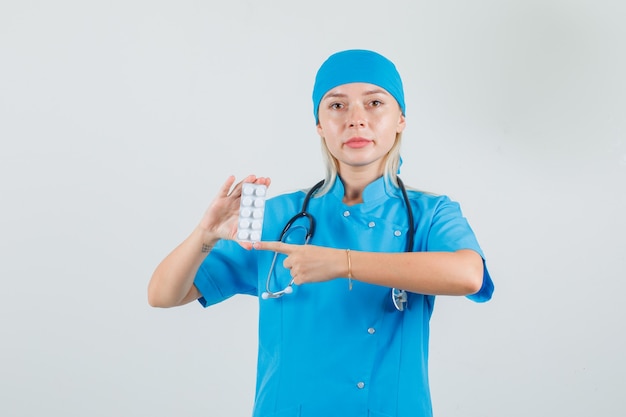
{"x": 357, "y": 142}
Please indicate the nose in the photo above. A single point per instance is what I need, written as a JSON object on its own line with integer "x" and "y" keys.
{"x": 357, "y": 117}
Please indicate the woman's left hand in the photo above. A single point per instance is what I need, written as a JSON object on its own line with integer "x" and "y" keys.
{"x": 309, "y": 263}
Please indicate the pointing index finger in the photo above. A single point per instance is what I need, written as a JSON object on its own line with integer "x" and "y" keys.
{"x": 273, "y": 246}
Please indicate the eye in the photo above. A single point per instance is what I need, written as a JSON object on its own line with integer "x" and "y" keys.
{"x": 376, "y": 103}
{"x": 336, "y": 106}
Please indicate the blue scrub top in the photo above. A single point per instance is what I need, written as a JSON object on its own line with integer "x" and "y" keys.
{"x": 325, "y": 350}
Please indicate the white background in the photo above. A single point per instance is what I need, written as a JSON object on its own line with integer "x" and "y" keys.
{"x": 120, "y": 119}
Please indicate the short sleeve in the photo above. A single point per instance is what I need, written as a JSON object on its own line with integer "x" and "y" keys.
{"x": 228, "y": 270}
{"x": 449, "y": 232}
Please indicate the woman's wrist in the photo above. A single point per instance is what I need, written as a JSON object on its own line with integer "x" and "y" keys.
{"x": 205, "y": 239}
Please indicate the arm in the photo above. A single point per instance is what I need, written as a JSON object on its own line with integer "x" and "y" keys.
{"x": 172, "y": 282}
{"x": 433, "y": 273}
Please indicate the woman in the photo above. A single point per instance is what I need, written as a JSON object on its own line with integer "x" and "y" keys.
{"x": 344, "y": 319}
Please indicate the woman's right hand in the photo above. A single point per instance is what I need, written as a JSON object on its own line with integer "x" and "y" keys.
{"x": 220, "y": 219}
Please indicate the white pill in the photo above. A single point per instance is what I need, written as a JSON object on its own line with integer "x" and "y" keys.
{"x": 251, "y": 212}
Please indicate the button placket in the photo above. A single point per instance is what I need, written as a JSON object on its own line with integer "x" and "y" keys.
{"x": 361, "y": 383}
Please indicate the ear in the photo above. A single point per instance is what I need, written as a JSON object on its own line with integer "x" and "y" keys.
{"x": 401, "y": 124}
{"x": 319, "y": 129}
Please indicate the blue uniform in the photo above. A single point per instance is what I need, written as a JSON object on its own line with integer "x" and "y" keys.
{"x": 325, "y": 350}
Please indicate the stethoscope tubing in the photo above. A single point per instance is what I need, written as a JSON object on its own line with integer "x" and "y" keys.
{"x": 399, "y": 297}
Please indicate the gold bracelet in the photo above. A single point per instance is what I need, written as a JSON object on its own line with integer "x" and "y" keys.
{"x": 349, "y": 269}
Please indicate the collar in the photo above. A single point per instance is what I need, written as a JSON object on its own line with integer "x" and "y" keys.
{"x": 374, "y": 193}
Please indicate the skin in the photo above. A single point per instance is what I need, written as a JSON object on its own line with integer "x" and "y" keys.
{"x": 359, "y": 123}
{"x": 172, "y": 281}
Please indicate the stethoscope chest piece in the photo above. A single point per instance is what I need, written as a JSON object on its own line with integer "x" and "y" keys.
{"x": 399, "y": 298}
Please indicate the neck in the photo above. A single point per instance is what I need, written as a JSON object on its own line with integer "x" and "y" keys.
{"x": 354, "y": 183}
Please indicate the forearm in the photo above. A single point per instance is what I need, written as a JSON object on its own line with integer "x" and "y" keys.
{"x": 434, "y": 273}
{"x": 172, "y": 281}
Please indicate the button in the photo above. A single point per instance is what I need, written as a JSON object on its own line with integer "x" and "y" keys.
{"x": 397, "y": 233}
{"x": 371, "y": 330}
{"x": 371, "y": 224}
{"x": 360, "y": 385}
{"x": 346, "y": 213}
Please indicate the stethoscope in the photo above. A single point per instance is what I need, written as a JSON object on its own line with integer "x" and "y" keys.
{"x": 398, "y": 296}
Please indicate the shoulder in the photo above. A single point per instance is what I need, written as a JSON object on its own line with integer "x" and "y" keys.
{"x": 428, "y": 199}
{"x": 436, "y": 207}
{"x": 288, "y": 197}
{"x": 296, "y": 197}
{"x": 285, "y": 203}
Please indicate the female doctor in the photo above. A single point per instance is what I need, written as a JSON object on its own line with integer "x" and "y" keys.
{"x": 344, "y": 318}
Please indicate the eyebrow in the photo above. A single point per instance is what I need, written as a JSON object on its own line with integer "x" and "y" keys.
{"x": 366, "y": 93}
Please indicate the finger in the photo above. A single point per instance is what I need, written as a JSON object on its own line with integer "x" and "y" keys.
{"x": 279, "y": 247}
{"x": 263, "y": 181}
{"x": 250, "y": 178}
{"x": 236, "y": 191}
{"x": 287, "y": 265}
{"x": 245, "y": 245}
{"x": 225, "y": 189}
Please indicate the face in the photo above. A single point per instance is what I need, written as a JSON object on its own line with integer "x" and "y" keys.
{"x": 359, "y": 123}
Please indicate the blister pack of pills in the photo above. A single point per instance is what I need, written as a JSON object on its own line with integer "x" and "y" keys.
{"x": 251, "y": 211}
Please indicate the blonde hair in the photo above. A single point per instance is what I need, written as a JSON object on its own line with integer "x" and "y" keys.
{"x": 390, "y": 172}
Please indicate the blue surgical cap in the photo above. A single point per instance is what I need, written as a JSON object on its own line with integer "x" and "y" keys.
{"x": 357, "y": 66}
